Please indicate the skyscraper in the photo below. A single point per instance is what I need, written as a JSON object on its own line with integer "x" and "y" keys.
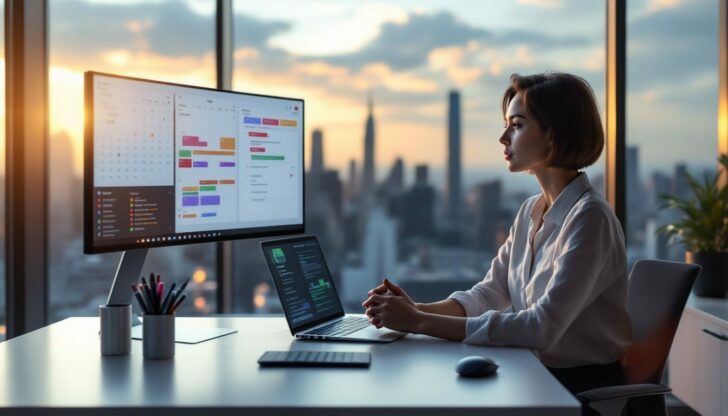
{"x": 351, "y": 182}
{"x": 635, "y": 193}
{"x": 488, "y": 197}
{"x": 317, "y": 152}
{"x": 454, "y": 185}
{"x": 395, "y": 180}
{"x": 314, "y": 178}
{"x": 419, "y": 207}
{"x": 368, "y": 174}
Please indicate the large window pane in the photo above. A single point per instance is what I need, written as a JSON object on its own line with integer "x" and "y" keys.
{"x": 672, "y": 100}
{"x": 2, "y": 173}
{"x": 169, "y": 41}
{"x": 432, "y": 71}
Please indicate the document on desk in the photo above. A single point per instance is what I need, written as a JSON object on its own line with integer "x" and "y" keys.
{"x": 189, "y": 334}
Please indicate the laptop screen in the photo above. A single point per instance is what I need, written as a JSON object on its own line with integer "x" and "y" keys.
{"x": 303, "y": 281}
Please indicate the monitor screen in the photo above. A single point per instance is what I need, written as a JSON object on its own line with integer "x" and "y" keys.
{"x": 169, "y": 164}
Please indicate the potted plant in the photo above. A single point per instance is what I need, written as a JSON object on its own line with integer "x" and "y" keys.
{"x": 703, "y": 229}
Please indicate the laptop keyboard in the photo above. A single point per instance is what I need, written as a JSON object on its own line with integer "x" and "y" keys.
{"x": 341, "y": 328}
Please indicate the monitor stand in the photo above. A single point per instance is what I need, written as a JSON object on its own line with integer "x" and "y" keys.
{"x": 128, "y": 272}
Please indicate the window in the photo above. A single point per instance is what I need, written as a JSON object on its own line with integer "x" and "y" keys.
{"x": 672, "y": 101}
{"x": 417, "y": 82}
{"x": 166, "y": 41}
{"x": 2, "y": 174}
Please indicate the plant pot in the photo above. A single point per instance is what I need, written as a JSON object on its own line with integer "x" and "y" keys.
{"x": 713, "y": 278}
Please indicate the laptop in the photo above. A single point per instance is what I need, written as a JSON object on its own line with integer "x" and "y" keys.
{"x": 308, "y": 296}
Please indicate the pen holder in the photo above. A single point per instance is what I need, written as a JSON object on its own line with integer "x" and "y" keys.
{"x": 115, "y": 330}
{"x": 158, "y": 336}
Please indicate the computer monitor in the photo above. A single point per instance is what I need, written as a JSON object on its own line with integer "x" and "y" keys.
{"x": 169, "y": 164}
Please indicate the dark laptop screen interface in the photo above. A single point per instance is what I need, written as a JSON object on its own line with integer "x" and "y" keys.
{"x": 303, "y": 281}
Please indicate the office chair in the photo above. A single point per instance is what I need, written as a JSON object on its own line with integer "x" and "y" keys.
{"x": 658, "y": 291}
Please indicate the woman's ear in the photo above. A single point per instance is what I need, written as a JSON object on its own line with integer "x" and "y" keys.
{"x": 550, "y": 138}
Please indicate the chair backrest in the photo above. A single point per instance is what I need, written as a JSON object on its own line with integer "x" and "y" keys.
{"x": 658, "y": 291}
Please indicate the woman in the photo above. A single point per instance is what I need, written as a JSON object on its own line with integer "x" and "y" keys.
{"x": 558, "y": 285}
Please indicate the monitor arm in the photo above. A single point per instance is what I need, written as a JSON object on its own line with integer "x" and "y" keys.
{"x": 127, "y": 272}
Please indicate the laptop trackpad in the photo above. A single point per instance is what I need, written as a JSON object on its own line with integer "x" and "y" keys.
{"x": 374, "y": 333}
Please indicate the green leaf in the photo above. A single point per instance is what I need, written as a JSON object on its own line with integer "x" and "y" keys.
{"x": 703, "y": 225}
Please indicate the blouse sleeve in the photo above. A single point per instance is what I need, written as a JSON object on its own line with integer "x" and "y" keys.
{"x": 492, "y": 292}
{"x": 577, "y": 280}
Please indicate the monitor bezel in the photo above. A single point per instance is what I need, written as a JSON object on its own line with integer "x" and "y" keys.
{"x": 232, "y": 234}
{"x": 294, "y": 330}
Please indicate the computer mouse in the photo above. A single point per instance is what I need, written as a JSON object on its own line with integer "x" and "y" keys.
{"x": 476, "y": 366}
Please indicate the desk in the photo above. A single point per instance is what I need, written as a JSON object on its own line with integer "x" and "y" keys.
{"x": 59, "y": 370}
{"x": 699, "y": 360}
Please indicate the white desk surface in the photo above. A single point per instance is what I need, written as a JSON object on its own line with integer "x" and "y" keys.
{"x": 715, "y": 309}
{"x": 59, "y": 370}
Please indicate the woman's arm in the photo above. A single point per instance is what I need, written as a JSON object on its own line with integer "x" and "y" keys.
{"x": 397, "y": 313}
{"x": 447, "y": 307}
{"x": 442, "y": 326}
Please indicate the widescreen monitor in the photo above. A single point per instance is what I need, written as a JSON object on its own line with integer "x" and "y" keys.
{"x": 169, "y": 164}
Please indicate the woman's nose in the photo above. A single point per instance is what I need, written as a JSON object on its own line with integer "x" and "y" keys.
{"x": 504, "y": 139}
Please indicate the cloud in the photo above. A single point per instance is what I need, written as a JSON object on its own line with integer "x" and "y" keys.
{"x": 450, "y": 60}
{"x": 335, "y": 33}
{"x": 658, "y": 5}
{"x": 539, "y": 39}
{"x": 80, "y": 30}
{"x": 409, "y": 44}
{"x": 672, "y": 44}
{"x": 405, "y": 45}
{"x": 548, "y": 4}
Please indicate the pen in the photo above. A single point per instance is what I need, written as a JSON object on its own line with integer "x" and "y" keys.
{"x": 153, "y": 289}
{"x": 165, "y": 303}
{"x": 139, "y": 298}
{"x": 179, "y": 292}
{"x": 184, "y": 285}
{"x": 174, "y": 307}
{"x": 148, "y": 296}
{"x": 147, "y": 289}
{"x": 141, "y": 302}
{"x": 172, "y": 300}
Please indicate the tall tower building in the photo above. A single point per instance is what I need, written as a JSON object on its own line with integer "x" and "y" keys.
{"x": 317, "y": 153}
{"x": 368, "y": 176}
{"x": 395, "y": 180}
{"x": 635, "y": 193}
{"x": 454, "y": 169}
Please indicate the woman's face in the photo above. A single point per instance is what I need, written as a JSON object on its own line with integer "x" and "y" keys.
{"x": 526, "y": 144}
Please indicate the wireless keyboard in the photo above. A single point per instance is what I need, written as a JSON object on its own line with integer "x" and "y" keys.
{"x": 314, "y": 359}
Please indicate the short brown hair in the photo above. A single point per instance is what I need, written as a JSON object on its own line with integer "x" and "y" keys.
{"x": 564, "y": 105}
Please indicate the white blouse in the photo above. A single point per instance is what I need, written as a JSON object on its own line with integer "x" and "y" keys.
{"x": 569, "y": 304}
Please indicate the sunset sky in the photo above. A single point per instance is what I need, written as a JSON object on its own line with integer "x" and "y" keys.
{"x": 409, "y": 55}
